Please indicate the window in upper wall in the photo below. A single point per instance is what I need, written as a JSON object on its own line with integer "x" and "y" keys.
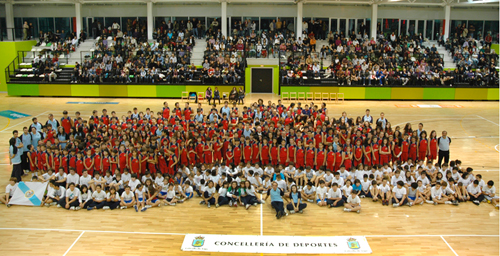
{"x": 491, "y": 27}
{"x": 333, "y": 24}
{"x": 476, "y": 28}
{"x": 46, "y": 24}
{"x": 63, "y": 24}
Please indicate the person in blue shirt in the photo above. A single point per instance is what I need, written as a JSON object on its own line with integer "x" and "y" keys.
{"x": 296, "y": 204}
{"x": 276, "y": 195}
{"x": 357, "y": 186}
{"x": 15, "y": 157}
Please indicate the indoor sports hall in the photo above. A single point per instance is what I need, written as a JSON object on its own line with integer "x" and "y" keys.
{"x": 214, "y": 127}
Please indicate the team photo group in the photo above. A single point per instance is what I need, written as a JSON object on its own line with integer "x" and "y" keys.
{"x": 239, "y": 155}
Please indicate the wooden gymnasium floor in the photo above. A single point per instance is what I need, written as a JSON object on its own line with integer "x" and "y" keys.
{"x": 420, "y": 230}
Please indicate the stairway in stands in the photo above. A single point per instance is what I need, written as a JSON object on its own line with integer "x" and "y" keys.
{"x": 198, "y": 52}
{"x": 447, "y": 58}
{"x": 65, "y": 59}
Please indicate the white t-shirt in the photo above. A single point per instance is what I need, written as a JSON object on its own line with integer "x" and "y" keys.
{"x": 359, "y": 174}
{"x": 144, "y": 178}
{"x": 365, "y": 185}
{"x": 159, "y": 181}
{"x": 347, "y": 190}
{"x": 99, "y": 195}
{"x": 47, "y": 176}
{"x": 73, "y": 178}
{"x": 488, "y": 190}
{"x": 210, "y": 191}
{"x": 117, "y": 196}
{"x": 384, "y": 189}
{"x": 126, "y": 177}
{"x": 321, "y": 192}
{"x": 281, "y": 184}
{"x": 85, "y": 180}
{"x": 354, "y": 200}
{"x": 425, "y": 180}
{"x": 10, "y": 189}
{"x": 84, "y": 197}
{"x": 328, "y": 178}
{"x": 436, "y": 193}
{"x": 140, "y": 193}
{"x": 473, "y": 189}
{"x": 394, "y": 180}
{"x": 334, "y": 194}
{"x": 72, "y": 194}
{"x": 400, "y": 192}
{"x": 127, "y": 197}
{"x": 60, "y": 176}
{"x": 309, "y": 191}
{"x": 133, "y": 184}
{"x": 339, "y": 181}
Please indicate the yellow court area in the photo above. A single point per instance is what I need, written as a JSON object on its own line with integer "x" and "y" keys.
{"x": 466, "y": 229}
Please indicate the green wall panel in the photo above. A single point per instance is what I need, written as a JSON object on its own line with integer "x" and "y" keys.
{"x": 55, "y": 89}
{"x": 493, "y": 94}
{"x": 171, "y": 91}
{"x": 439, "y": 94}
{"x": 407, "y": 93}
{"x": 113, "y": 90}
{"x": 248, "y": 77}
{"x": 295, "y": 89}
{"x": 8, "y": 51}
{"x": 378, "y": 93}
{"x": 324, "y": 89}
{"x": 351, "y": 93}
{"x": 141, "y": 90}
{"x": 23, "y": 90}
{"x": 495, "y": 47}
{"x": 85, "y": 90}
{"x": 471, "y": 94}
{"x": 248, "y": 80}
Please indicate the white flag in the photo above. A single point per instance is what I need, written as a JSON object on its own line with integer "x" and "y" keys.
{"x": 29, "y": 193}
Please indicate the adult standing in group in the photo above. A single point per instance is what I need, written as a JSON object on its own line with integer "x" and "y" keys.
{"x": 367, "y": 117}
{"x": 15, "y": 153}
{"x": 276, "y": 199}
{"x": 36, "y": 124}
{"x": 382, "y": 121}
{"x": 444, "y": 148}
{"x": 26, "y": 139}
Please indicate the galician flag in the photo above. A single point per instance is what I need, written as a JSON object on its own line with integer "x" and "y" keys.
{"x": 29, "y": 193}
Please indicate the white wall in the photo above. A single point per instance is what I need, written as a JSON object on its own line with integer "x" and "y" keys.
{"x": 252, "y": 10}
{"x": 44, "y": 10}
{"x": 337, "y": 11}
{"x": 261, "y": 10}
{"x": 191, "y": 10}
{"x": 122, "y": 10}
{"x": 474, "y": 13}
{"x": 411, "y": 13}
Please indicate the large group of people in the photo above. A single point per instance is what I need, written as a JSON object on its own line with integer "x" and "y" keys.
{"x": 296, "y": 154}
{"x": 358, "y": 60}
{"x": 475, "y": 61}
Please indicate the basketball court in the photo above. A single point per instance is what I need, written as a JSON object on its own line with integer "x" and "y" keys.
{"x": 420, "y": 230}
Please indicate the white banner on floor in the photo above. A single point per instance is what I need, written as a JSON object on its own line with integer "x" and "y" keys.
{"x": 276, "y": 244}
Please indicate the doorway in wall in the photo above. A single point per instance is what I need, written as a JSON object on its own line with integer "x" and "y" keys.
{"x": 262, "y": 80}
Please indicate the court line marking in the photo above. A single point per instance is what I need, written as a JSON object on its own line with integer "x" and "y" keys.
{"x": 27, "y": 120}
{"x": 8, "y": 123}
{"x": 432, "y": 119}
{"x": 261, "y": 219}
{"x": 182, "y": 234}
{"x": 94, "y": 231}
{"x": 83, "y": 232}
{"x": 449, "y": 246}
{"x": 496, "y": 147}
{"x": 488, "y": 120}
